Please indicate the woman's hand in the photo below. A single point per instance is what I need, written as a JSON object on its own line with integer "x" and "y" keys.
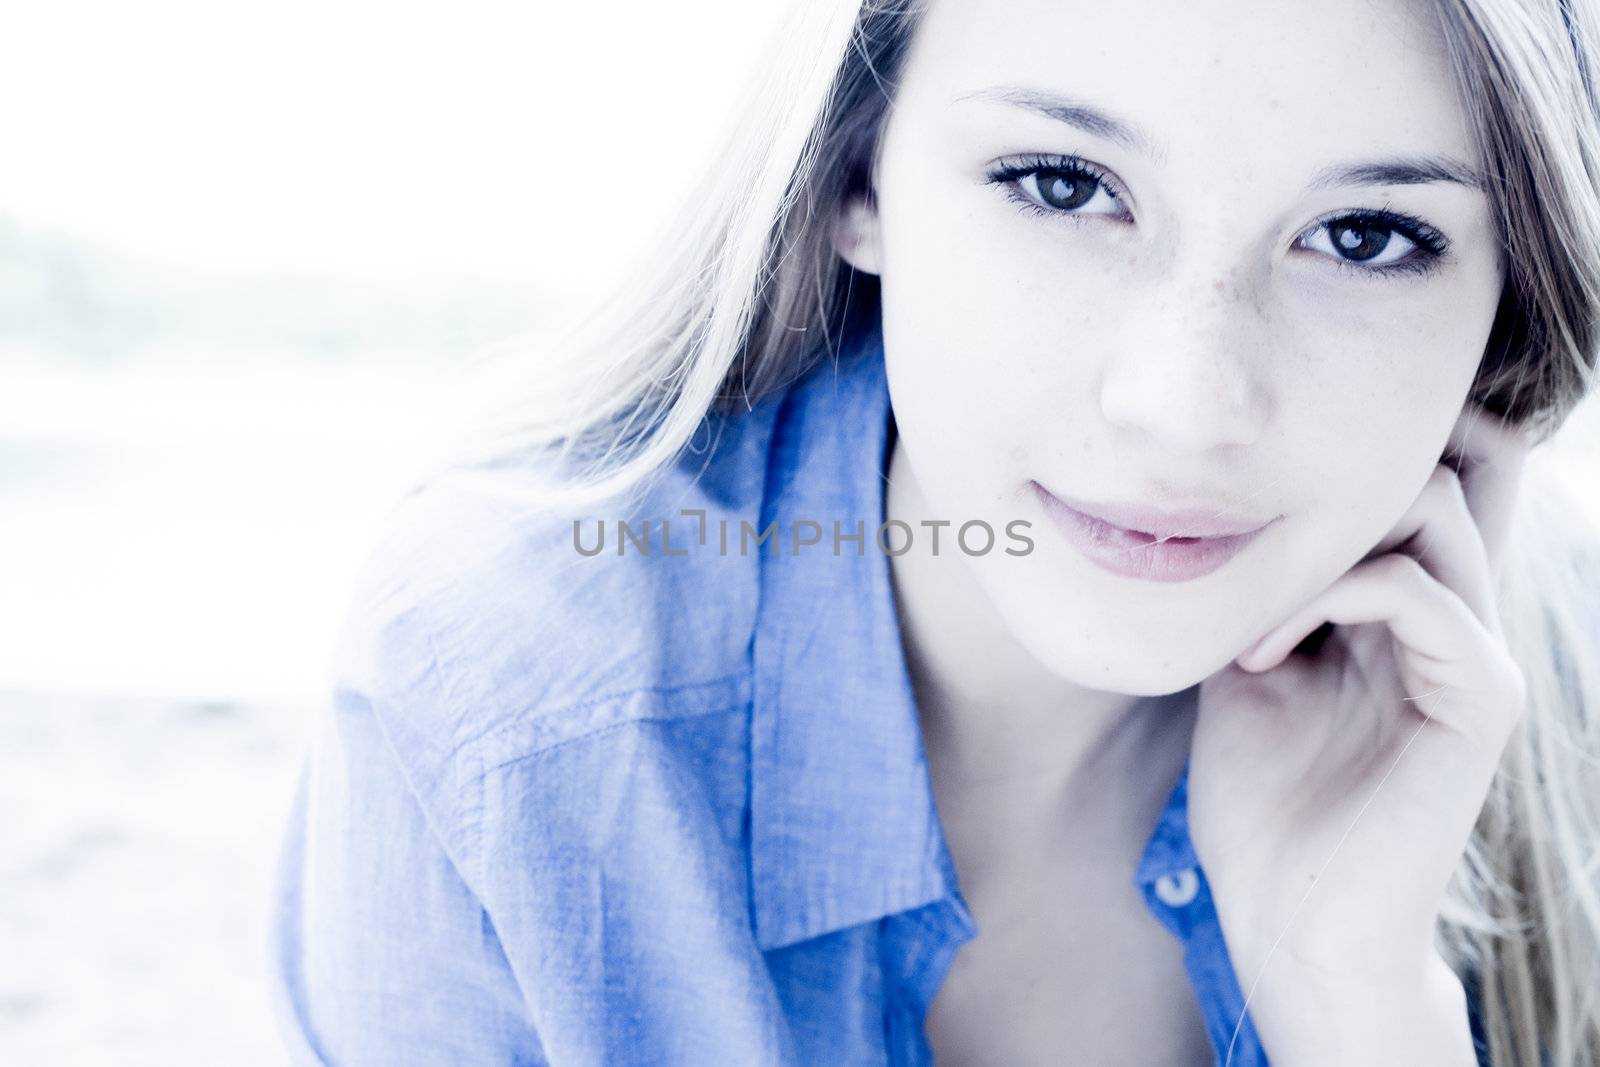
{"x": 1332, "y": 792}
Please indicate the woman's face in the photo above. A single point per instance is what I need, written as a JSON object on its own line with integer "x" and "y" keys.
{"x": 1118, "y": 260}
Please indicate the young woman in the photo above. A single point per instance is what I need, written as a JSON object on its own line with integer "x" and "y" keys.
{"x": 1038, "y": 570}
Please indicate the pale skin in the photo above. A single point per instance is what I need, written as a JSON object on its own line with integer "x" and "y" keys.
{"x": 1191, "y": 327}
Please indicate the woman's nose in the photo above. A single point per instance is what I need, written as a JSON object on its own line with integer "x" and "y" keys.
{"x": 1188, "y": 368}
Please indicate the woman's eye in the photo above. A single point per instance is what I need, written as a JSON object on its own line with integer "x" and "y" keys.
{"x": 1363, "y": 242}
{"x": 1068, "y": 190}
{"x": 1373, "y": 244}
{"x": 1378, "y": 243}
{"x": 1061, "y": 186}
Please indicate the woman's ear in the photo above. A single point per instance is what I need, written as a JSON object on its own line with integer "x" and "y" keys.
{"x": 855, "y": 234}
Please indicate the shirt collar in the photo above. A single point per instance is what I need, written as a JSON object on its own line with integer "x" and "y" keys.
{"x": 842, "y": 824}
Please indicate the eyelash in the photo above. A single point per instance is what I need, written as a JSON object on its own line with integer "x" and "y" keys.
{"x": 1431, "y": 245}
{"x": 1007, "y": 174}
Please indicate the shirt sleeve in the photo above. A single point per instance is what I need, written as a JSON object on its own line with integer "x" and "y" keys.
{"x": 381, "y": 953}
{"x": 612, "y": 865}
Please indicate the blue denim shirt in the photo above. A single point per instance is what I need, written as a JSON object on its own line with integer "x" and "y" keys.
{"x": 668, "y": 806}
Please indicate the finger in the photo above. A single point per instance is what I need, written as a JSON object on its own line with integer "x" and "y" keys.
{"x": 1440, "y": 532}
{"x": 1488, "y": 453}
{"x": 1425, "y": 616}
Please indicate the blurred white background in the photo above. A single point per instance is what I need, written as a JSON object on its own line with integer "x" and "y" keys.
{"x": 247, "y": 252}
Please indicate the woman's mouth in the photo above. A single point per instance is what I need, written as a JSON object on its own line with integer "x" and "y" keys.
{"x": 1133, "y": 553}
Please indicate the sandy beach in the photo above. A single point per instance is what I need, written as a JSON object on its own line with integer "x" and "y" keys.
{"x": 133, "y": 877}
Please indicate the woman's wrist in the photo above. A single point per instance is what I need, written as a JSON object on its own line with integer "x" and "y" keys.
{"x": 1321, "y": 1017}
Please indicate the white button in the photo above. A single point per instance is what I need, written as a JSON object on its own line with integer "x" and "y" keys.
{"x": 1178, "y": 889}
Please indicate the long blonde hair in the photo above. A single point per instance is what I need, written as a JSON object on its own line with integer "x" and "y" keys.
{"x": 745, "y": 293}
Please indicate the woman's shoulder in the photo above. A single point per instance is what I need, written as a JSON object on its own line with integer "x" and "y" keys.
{"x": 483, "y": 629}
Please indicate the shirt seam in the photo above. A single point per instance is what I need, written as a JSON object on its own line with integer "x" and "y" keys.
{"x": 521, "y": 719}
{"x": 475, "y": 764}
{"x": 606, "y": 728}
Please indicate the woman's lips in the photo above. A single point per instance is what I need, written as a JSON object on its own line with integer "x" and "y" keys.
{"x": 1133, "y": 554}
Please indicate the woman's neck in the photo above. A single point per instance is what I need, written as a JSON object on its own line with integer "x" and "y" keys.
{"x": 996, "y": 723}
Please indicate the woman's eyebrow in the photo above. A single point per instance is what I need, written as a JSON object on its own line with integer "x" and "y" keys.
{"x": 1398, "y": 170}
{"x": 1074, "y": 113}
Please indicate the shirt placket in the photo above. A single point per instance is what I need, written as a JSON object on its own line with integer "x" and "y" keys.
{"x": 1181, "y": 899}
{"x": 917, "y": 948}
